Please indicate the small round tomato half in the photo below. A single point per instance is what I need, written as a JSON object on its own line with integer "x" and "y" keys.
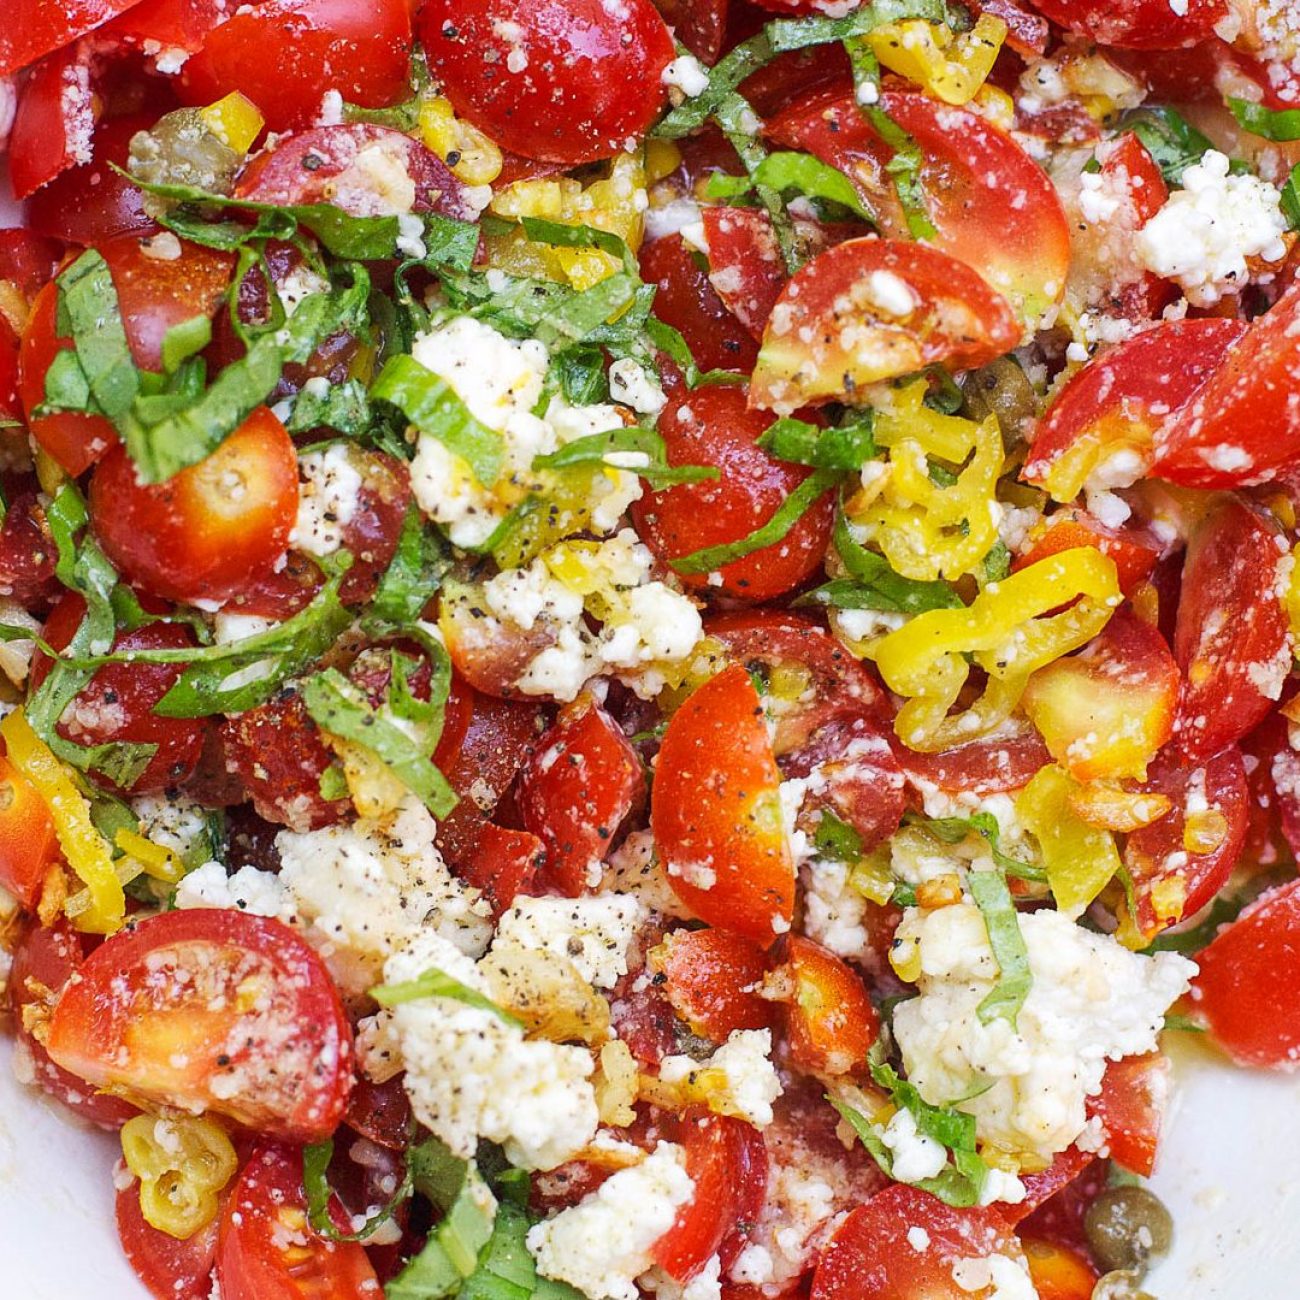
{"x": 1137, "y": 24}
{"x": 1246, "y": 989}
{"x": 204, "y": 533}
{"x": 715, "y": 810}
{"x": 211, "y": 1010}
{"x": 711, "y": 978}
{"x": 872, "y": 309}
{"x": 170, "y": 1268}
{"x": 267, "y": 1251}
{"x": 745, "y": 263}
{"x": 565, "y": 81}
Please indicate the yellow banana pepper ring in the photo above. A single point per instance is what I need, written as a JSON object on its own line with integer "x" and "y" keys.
{"x": 182, "y": 1163}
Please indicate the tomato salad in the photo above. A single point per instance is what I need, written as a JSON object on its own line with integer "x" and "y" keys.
{"x": 647, "y": 651}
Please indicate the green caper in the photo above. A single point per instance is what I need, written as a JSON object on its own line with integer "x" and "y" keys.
{"x": 181, "y": 149}
{"x": 1120, "y": 1285}
{"x": 1126, "y": 1227}
{"x": 1003, "y": 389}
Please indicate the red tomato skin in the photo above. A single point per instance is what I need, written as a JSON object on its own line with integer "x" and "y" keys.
{"x": 1131, "y": 1107}
{"x": 1245, "y": 991}
{"x": 56, "y": 116}
{"x": 745, "y": 264}
{"x": 700, "y": 25}
{"x": 47, "y": 957}
{"x": 688, "y": 302}
{"x": 980, "y": 767}
{"x": 310, "y": 46}
{"x": 34, "y": 27}
{"x": 27, "y": 552}
{"x": 1134, "y": 550}
{"x": 103, "y": 1024}
{"x": 1231, "y": 634}
{"x": 170, "y": 1269}
{"x": 711, "y": 978}
{"x": 577, "y": 790}
{"x": 713, "y": 426}
{"x": 715, "y": 803}
{"x": 828, "y": 1019}
{"x": 381, "y": 1112}
{"x": 28, "y": 845}
{"x": 372, "y": 534}
{"x": 10, "y": 407}
{"x": 1136, "y": 24}
{"x": 27, "y": 259}
{"x": 590, "y": 80}
{"x": 1042, "y": 1186}
{"x": 195, "y": 536}
{"x": 255, "y": 1260}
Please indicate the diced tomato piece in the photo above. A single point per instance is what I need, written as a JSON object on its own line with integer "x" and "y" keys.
{"x": 1137, "y": 24}
{"x": 57, "y": 112}
{"x": 170, "y": 1268}
{"x": 266, "y": 1249}
{"x": 27, "y": 552}
{"x": 1181, "y": 860}
{"x": 588, "y": 79}
{"x": 873, "y": 309}
{"x": 1040, "y": 1187}
{"x": 1246, "y": 989}
{"x": 716, "y": 811}
{"x": 211, "y": 1010}
{"x": 1231, "y": 639}
{"x": 1135, "y": 550}
{"x": 1103, "y": 423}
{"x": 745, "y": 263}
{"x": 577, "y": 790}
{"x": 1131, "y": 1107}
{"x": 1057, "y": 1272}
{"x": 870, "y": 1258}
{"x": 27, "y": 842}
{"x": 1059, "y": 1219}
{"x": 713, "y": 426}
{"x": 827, "y": 1017}
{"x": 712, "y": 979}
{"x": 980, "y": 767}
{"x": 35, "y": 27}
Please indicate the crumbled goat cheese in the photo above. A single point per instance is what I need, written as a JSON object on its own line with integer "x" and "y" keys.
{"x": 916, "y": 1157}
{"x": 328, "y": 498}
{"x": 1008, "y": 1278}
{"x": 747, "y": 1077}
{"x": 834, "y": 912}
{"x": 686, "y": 74}
{"x": 259, "y": 893}
{"x": 592, "y": 933}
{"x": 175, "y": 822}
{"x": 633, "y": 385}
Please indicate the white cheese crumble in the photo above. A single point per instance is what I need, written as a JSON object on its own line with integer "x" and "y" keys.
{"x": 259, "y": 893}
{"x": 633, "y": 385}
{"x": 916, "y": 1157}
{"x": 747, "y": 1079}
{"x": 593, "y": 933}
{"x": 997, "y": 1277}
{"x": 686, "y": 74}
{"x": 328, "y": 499}
{"x": 172, "y": 820}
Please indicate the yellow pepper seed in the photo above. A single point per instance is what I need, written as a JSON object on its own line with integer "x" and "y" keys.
{"x": 182, "y": 1164}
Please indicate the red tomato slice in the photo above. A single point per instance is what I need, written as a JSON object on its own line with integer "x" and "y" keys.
{"x": 1231, "y": 639}
{"x": 1243, "y": 424}
{"x": 175, "y": 24}
{"x": 55, "y": 121}
{"x": 27, "y": 842}
{"x": 169, "y": 1268}
{"x": 350, "y": 166}
{"x": 381, "y": 1112}
{"x": 307, "y": 47}
{"x": 1106, "y": 416}
{"x": 827, "y": 1016}
{"x": 713, "y": 426}
{"x": 566, "y": 81}
{"x": 1131, "y": 1107}
{"x": 216, "y": 1010}
{"x": 1057, "y": 1272}
{"x": 204, "y": 533}
{"x": 981, "y": 767}
{"x": 1246, "y": 990}
{"x": 716, "y": 811}
{"x": 265, "y": 1249}
{"x": 1135, "y": 550}
{"x": 577, "y": 790}
{"x": 372, "y": 534}
{"x": 870, "y": 1258}
{"x": 1137, "y": 24}
{"x": 1041, "y": 1187}
{"x": 35, "y": 27}
{"x": 872, "y": 309}
{"x": 10, "y": 406}
{"x": 27, "y": 552}
{"x": 686, "y": 300}
{"x": 745, "y": 263}
{"x": 700, "y": 25}
{"x": 1211, "y": 809}
{"x": 712, "y": 979}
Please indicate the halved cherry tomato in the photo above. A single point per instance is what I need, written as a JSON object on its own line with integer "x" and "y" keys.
{"x": 1131, "y": 1107}
{"x": 27, "y": 551}
{"x": 1106, "y": 711}
{"x": 712, "y": 978}
{"x": 1057, "y": 1272}
{"x": 267, "y": 1251}
{"x": 1231, "y": 639}
{"x": 1042, "y": 1186}
{"x": 1246, "y": 989}
{"x": 1135, "y": 550}
{"x": 700, "y": 25}
{"x": 716, "y": 811}
{"x": 57, "y": 112}
{"x": 745, "y": 263}
{"x": 170, "y": 1268}
{"x": 713, "y": 426}
{"x": 992, "y": 206}
{"x": 1137, "y": 24}
{"x": 827, "y": 1016}
{"x": 45, "y": 958}
{"x": 1105, "y": 418}
{"x": 117, "y": 703}
{"x": 870, "y": 1257}
{"x": 211, "y": 1010}
{"x": 872, "y": 309}
{"x": 564, "y": 82}
{"x": 202, "y": 534}
{"x": 577, "y": 790}
{"x": 27, "y": 842}
{"x": 1242, "y": 425}
{"x": 688, "y": 302}
{"x": 1181, "y": 860}
{"x": 980, "y": 767}
{"x": 381, "y": 1112}
{"x": 155, "y": 292}
{"x": 307, "y": 47}
{"x": 35, "y": 27}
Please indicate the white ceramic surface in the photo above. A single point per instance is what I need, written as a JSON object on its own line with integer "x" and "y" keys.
{"x": 1230, "y": 1172}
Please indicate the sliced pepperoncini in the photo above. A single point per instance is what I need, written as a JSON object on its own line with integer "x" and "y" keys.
{"x": 472, "y": 156}
{"x": 1008, "y": 631}
{"x": 182, "y": 1164}
{"x": 949, "y": 66}
{"x": 235, "y": 120}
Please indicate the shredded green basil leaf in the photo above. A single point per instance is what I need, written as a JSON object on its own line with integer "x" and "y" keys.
{"x": 670, "y": 342}
{"x": 801, "y": 172}
{"x": 1171, "y": 140}
{"x": 846, "y": 447}
{"x": 413, "y": 575}
{"x": 632, "y": 448}
{"x": 316, "y": 1157}
{"x": 952, "y": 830}
{"x": 1280, "y": 125}
{"x": 343, "y": 407}
{"x": 434, "y": 983}
{"x": 836, "y": 839}
{"x": 993, "y": 898}
{"x": 1291, "y": 199}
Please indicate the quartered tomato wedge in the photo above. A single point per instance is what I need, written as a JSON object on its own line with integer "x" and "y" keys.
{"x": 716, "y": 811}
{"x": 1137, "y": 24}
{"x": 991, "y": 205}
{"x": 873, "y": 309}
{"x": 870, "y": 1257}
{"x": 1134, "y": 549}
{"x": 1102, "y": 426}
{"x": 57, "y": 113}
{"x": 211, "y": 1010}
{"x": 267, "y": 1251}
{"x": 170, "y": 1268}
{"x": 27, "y": 842}
{"x": 745, "y": 263}
{"x": 1131, "y": 1108}
{"x": 712, "y": 979}
{"x": 564, "y": 82}
{"x": 576, "y": 791}
{"x": 1231, "y": 639}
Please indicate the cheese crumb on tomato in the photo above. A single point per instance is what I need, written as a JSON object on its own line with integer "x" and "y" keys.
{"x": 260, "y": 893}
{"x": 1091, "y": 1001}
{"x": 602, "y": 1244}
{"x": 472, "y": 1075}
{"x": 328, "y": 498}
{"x": 593, "y": 933}
{"x": 705, "y": 1285}
{"x": 747, "y": 1081}
{"x": 995, "y": 1277}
